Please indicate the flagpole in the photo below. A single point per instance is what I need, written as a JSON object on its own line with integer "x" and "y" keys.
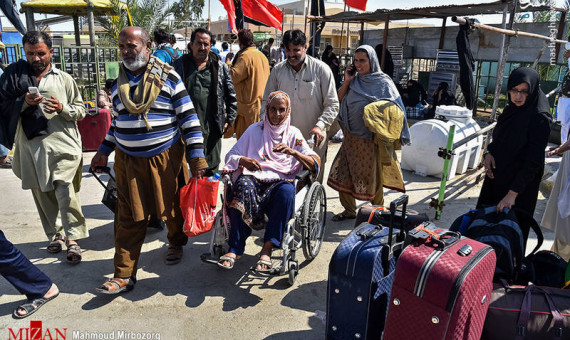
{"x": 305, "y": 15}
{"x": 342, "y": 32}
{"x": 209, "y": 17}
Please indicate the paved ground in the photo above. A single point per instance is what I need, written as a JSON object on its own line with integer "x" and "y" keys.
{"x": 191, "y": 300}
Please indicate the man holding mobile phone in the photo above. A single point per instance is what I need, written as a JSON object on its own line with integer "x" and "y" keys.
{"x": 48, "y": 151}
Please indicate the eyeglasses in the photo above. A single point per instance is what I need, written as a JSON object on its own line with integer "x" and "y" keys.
{"x": 515, "y": 92}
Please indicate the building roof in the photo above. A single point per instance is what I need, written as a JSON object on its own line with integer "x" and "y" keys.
{"x": 494, "y": 7}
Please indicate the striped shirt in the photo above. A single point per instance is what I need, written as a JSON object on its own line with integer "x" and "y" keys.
{"x": 171, "y": 115}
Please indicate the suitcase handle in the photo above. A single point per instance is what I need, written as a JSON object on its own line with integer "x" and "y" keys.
{"x": 369, "y": 234}
{"x": 401, "y": 201}
{"x": 446, "y": 242}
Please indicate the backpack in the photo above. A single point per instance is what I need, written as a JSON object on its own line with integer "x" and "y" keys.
{"x": 545, "y": 268}
{"x": 502, "y": 232}
{"x": 173, "y": 55}
{"x": 565, "y": 87}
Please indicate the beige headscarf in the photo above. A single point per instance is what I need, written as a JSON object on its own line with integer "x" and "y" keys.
{"x": 148, "y": 89}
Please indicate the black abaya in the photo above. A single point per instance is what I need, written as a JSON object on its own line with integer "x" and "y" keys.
{"x": 518, "y": 146}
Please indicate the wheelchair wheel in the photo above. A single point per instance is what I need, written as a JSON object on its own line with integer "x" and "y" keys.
{"x": 313, "y": 220}
{"x": 293, "y": 271}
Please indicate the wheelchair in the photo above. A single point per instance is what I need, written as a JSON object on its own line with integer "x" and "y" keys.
{"x": 305, "y": 230}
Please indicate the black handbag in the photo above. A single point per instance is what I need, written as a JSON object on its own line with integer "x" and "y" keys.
{"x": 531, "y": 312}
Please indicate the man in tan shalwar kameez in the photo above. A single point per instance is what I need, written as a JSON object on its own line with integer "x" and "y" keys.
{"x": 49, "y": 162}
{"x": 249, "y": 74}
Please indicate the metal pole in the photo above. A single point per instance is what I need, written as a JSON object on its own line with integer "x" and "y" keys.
{"x": 347, "y": 37}
{"x": 442, "y": 33}
{"x": 293, "y": 19}
{"x": 385, "y": 41}
{"x": 361, "y": 33}
{"x": 30, "y": 24}
{"x": 341, "y": 34}
{"x": 91, "y": 23}
{"x": 209, "y": 17}
{"x": 305, "y": 15}
{"x": 500, "y": 67}
{"x": 447, "y": 158}
{"x": 76, "y": 28}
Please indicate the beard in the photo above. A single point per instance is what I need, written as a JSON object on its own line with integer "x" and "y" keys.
{"x": 38, "y": 67}
{"x": 139, "y": 62}
{"x": 296, "y": 61}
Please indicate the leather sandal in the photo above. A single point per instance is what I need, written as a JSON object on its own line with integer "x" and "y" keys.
{"x": 56, "y": 245}
{"x": 116, "y": 285}
{"x": 32, "y": 306}
{"x": 73, "y": 253}
{"x": 342, "y": 216}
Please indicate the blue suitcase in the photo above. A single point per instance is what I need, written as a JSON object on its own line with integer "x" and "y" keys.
{"x": 361, "y": 273}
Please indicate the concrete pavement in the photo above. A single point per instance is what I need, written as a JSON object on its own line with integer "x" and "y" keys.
{"x": 191, "y": 300}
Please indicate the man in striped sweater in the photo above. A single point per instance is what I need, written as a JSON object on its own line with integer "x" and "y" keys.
{"x": 154, "y": 116}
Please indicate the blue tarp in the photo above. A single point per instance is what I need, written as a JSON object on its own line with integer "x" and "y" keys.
{"x": 11, "y": 38}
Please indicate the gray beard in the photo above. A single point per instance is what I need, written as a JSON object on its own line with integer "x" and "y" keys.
{"x": 140, "y": 62}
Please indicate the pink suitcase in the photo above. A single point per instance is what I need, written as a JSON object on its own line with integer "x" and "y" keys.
{"x": 93, "y": 128}
{"x": 441, "y": 289}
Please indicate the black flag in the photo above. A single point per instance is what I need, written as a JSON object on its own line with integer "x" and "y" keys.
{"x": 239, "y": 15}
{"x": 317, "y": 10}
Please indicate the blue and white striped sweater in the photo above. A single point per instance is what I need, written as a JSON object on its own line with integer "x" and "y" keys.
{"x": 171, "y": 114}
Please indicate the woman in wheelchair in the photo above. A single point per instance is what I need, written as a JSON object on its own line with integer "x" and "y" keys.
{"x": 263, "y": 164}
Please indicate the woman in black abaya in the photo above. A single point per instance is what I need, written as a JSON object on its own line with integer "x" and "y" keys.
{"x": 515, "y": 160}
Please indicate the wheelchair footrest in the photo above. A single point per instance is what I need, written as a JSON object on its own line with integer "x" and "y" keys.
{"x": 208, "y": 258}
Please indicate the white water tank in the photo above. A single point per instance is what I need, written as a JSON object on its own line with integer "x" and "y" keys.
{"x": 430, "y": 135}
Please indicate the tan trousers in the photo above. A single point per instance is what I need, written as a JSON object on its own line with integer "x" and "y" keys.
{"x": 60, "y": 211}
{"x": 147, "y": 186}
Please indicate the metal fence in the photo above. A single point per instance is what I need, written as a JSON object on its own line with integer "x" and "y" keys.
{"x": 485, "y": 74}
{"x": 90, "y": 66}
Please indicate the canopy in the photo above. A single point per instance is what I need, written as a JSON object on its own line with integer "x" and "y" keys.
{"x": 460, "y": 9}
{"x": 69, "y": 7}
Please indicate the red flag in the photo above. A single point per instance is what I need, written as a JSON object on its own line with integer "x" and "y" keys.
{"x": 231, "y": 9}
{"x": 263, "y": 11}
{"x": 358, "y": 4}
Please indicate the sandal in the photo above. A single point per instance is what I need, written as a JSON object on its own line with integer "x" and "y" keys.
{"x": 231, "y": 260}
{"x": 342, "y": 216}
{"x": 173, "y": 255}
{"x": 73, "y": 253}
{"x": 265, "y": 263}
{"x": 32, "y": 306}
{"x": 116, "y": 285}
{"x": 56, "y": 245}
{"x": 7, "y": 164}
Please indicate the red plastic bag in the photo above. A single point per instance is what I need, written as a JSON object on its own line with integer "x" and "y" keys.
{"x": 198, "y": 201}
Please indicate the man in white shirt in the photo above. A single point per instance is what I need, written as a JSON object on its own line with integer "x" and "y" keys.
{"x": 310, "y": 84}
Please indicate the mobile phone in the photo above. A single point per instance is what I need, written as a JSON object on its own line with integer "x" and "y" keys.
{"x": 352, "y": 70}
{"x": 33, "y": 90}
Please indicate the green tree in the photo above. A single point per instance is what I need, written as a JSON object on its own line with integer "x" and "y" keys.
{"x": 186, "y": 10}
{"x": 148, "y": 14}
